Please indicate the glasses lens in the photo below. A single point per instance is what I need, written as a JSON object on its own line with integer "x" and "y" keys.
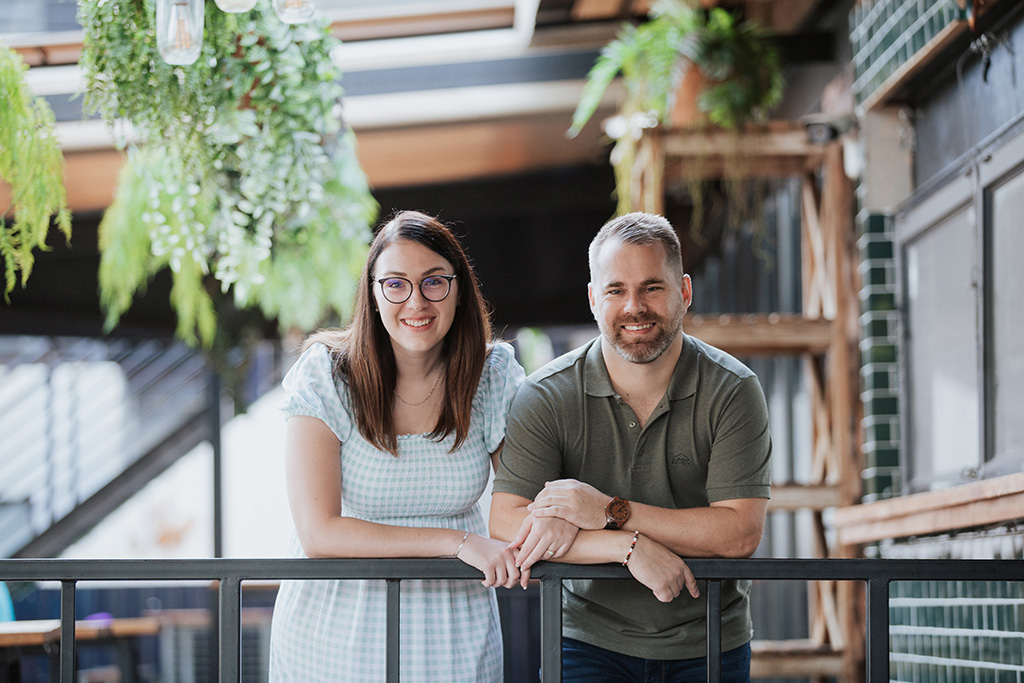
{"x": 396, "y": 290}
{"x": 434, "y": 288}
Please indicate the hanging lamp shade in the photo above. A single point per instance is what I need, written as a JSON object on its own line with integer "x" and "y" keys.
{"x": 294, "y": 11}
{"x": 235, "y": 6}
{"x": 179, "y": 30}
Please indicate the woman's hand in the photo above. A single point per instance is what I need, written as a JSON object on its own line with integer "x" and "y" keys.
{"x": 541, "y": 539}
{"x": 661, "y": 570}
{"x": 494, "y": 558}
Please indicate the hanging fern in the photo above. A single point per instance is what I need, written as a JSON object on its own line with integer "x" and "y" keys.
{"x": 31, "y": 162}
{"x": 257, "y": 189}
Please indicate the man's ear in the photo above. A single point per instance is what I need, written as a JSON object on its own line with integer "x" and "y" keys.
{"x": 687, "y": 291}
{"x": 590, "y": 294}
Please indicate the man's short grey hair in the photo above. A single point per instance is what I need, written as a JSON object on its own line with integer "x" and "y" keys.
{"x": 642, "y": 229}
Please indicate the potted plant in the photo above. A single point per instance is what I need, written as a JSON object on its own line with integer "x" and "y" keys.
{"x": 32, "y": 164}
{"x": 732, "y": 66}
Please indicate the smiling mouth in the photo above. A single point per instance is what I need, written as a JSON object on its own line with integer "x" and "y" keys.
{"x": 643, "y": 327}
{"x": 418, "y": 323}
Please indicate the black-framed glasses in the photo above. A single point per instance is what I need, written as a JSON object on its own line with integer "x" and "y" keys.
{"x": 434, "y": 288}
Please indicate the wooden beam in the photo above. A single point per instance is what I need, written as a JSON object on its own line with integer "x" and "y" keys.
{"x": 775, "y": 150}
{"x": 962, "y": 507}
{"x": 352, "y": 27}
{"x": 47, "y": 48}
{"x": 90, "y": 177}
{"x": 784, "y": 17}
{"x": 594, "y": 10}
{"x": 792, "y": 497}
{"x": 793, "y": 658}
{"x": 391, "y": 156}
{"x": 762, "y": 334}
{"x": 394, "y": 157}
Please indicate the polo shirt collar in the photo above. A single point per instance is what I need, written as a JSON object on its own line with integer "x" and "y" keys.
{"x": 683, "y": 382}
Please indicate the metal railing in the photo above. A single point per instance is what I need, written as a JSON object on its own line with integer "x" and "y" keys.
{"x": 230, "y": 573}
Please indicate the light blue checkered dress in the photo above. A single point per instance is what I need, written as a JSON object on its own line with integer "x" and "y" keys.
{"x": 335, "y": 630}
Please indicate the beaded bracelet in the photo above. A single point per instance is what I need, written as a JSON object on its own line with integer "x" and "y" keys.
{"x": 459, "y": 549}
{"x": 629, "y": 554}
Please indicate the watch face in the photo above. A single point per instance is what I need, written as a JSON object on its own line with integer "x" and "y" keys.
{"x": 618, "y": 510}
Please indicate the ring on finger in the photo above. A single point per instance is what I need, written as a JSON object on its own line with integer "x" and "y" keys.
{"x": 551, "y": 553}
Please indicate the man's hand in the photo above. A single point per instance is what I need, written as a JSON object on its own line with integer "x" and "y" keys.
{"x": 541, "y": 539}
{"x": 578, "y": 503}
{"x": 661, "y": 570}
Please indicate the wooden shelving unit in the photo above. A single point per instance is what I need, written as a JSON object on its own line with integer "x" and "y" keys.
{"x": 825, "y": 335}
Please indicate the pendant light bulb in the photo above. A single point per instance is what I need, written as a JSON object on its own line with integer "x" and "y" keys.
{"x": 179, "y": 26}
{"x": 235, "y": 6}
{"x": 294, "y": 11}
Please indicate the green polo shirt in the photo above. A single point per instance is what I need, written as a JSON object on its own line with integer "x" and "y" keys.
{"x": 707, "y": 440}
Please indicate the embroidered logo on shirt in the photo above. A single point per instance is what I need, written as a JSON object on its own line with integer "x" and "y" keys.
{"x": 681, "y": 459}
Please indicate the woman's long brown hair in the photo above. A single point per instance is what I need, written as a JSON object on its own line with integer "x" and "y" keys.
{"x": 365, "y": 361}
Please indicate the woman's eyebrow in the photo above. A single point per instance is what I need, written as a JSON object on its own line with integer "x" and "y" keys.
{"x": 399, "y": 273}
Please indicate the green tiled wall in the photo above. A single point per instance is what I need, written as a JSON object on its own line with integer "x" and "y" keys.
{"x": 879, "y": 381}
{"x": 957, "y": 631}
{"x": 886, "y": 34}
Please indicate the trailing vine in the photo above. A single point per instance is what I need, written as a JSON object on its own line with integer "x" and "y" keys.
{"x": 32, "y": 163}
{"x": 240, "y": 171}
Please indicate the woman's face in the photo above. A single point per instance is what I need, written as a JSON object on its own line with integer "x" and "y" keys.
{"x": 416, "y": 326}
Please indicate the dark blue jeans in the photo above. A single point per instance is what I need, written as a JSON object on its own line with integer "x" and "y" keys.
{"x": 583, "y": 663}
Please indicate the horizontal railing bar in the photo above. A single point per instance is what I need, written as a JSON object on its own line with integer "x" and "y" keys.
{"x": 878, "y": 573}
{"x": 411, "y": 568}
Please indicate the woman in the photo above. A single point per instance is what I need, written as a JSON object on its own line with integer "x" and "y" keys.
{"x": 413, "y": 396}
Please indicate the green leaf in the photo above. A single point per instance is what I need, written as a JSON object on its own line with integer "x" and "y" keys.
{"x": 32, "y": 164}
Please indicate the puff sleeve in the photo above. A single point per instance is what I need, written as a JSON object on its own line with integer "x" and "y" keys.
{"x": 311, "y": 390}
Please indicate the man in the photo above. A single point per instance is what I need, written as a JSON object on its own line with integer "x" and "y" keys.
{"x": 641, "y": 447}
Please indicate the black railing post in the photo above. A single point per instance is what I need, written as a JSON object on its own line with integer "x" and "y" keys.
{"x": 394, "y": 630}
{"x": 229, "y": 628}
{"x": 877, "y": 651}
{"x": 714, "y": 639}
{"x": 551, "y": 630}
{"x": 67, "y": 631}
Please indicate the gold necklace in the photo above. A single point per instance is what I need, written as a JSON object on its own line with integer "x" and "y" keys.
{"x": 437, "y": 380}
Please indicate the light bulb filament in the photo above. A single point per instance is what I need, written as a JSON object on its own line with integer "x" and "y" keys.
{"x": 183, "y": 39}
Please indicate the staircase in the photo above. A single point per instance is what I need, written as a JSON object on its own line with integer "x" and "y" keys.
{"x": 86, "y": 423}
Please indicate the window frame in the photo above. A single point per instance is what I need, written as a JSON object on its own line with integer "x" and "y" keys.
{"x": 973, "y": 188}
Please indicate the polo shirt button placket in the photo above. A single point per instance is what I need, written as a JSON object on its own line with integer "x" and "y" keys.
{"x": 632, "y": 424}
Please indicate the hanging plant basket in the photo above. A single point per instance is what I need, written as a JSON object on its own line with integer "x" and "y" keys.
{"x": 244, "y": 177}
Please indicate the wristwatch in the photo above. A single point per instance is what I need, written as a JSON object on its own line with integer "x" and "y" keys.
{"x": 616, "y": 512}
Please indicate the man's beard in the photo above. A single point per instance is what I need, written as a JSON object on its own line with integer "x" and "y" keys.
{"x": 642, "y": 351}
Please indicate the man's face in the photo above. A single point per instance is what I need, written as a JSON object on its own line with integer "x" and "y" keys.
{"x": 637, "y": 299}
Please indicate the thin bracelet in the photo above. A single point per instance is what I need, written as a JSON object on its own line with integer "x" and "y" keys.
{"x": 629, "y": 553}
{"x": 459, "y": 549}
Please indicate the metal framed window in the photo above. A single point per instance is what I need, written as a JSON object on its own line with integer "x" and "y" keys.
{"x": 961, "y": 293}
